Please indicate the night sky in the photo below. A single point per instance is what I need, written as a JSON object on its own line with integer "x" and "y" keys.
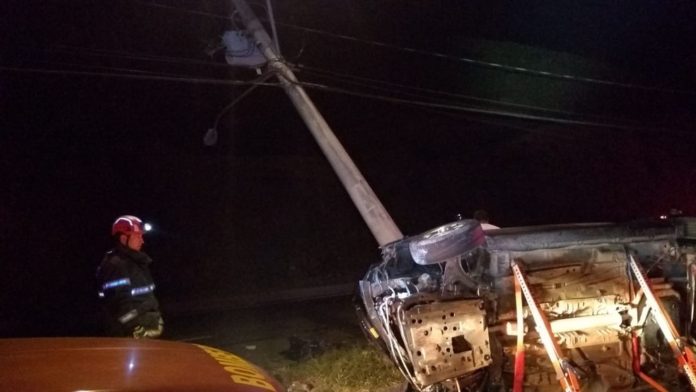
{"x": 539, "y": 112}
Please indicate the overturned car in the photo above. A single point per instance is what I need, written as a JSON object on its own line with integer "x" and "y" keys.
{"x": 592, "y": 307}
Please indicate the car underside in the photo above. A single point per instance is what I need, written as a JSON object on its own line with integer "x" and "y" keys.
{"x": 591, "y": 307}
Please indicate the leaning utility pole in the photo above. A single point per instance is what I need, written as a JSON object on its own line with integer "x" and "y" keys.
{"x": 373, "y": 212}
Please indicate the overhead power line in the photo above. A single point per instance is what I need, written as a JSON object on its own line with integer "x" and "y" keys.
{"x": 106, "y": 68}
{"x": 369, "y": 83}
{"x": 181, "y": 79}
{"x": 461, "y": 59}
{"x": 133, "y": 56}
{"x": 241, "y": 96}
{"x": 373, "y": 84}
{"x": 493, "y": 112}
{"x": 322, "y": 87}
{"x": 498, "y": 66}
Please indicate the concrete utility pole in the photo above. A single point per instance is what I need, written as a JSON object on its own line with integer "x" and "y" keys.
{"x": 373, "y": 212}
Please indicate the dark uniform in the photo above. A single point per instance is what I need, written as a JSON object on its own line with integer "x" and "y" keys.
{"x": 127, "y": 293}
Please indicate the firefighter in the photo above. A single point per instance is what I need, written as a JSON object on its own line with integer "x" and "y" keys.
{"x": 125, "y": 284}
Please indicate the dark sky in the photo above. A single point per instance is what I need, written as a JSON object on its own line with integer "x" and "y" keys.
{"x": 427, "y": 96}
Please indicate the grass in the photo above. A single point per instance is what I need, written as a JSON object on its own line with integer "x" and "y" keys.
{"x": 355, "y": 368}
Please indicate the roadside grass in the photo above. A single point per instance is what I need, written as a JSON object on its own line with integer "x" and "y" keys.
{"x": 354, "y": 368}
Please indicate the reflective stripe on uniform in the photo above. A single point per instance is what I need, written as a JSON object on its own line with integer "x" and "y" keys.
{"x": 115, "y": 283}
{"x": 128, "y": 316}
{"x": 142, "y": 290}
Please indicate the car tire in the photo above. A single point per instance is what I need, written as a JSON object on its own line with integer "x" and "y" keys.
{"x": 447, "y": 241}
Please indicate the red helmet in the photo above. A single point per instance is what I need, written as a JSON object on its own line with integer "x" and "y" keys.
{"x": 127, "y": 224}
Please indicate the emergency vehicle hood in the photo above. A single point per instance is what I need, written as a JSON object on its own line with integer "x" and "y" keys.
{"x": 115, "y": 364}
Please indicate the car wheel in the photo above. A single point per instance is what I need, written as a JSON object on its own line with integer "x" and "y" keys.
{"x": 447, "y": 241}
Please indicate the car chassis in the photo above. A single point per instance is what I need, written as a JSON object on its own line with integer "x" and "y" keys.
{"x": 607, "y": 306}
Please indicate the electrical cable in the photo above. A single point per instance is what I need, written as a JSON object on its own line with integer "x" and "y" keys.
{"x": 482, "y": 120}
{"x": 498, "y": 66}
{"x": 604, "y": 119}
{"x": 148, "y": 57}
{"x": 401, "y": 323}
{"x": 462, "y": 59}
{"x": 392, "y": 85}
{"x": 394, "y": 346}
{"x": 133, "y": 56}
{"x": 136, "y": 76}
{"x": 184, "y": 10}
{"x": 105, "y": 68}
{"x": 499, "y": 113}
{"x": 246, "y": 92}
{"x": 479, "y": 120}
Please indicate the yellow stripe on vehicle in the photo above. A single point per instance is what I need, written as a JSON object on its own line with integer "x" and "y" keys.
{"x": 241, "y": 371}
